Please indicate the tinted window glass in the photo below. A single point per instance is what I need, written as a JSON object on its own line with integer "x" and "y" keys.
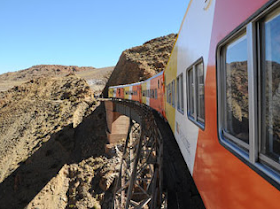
{"x": 191, "y": 92}
{"x": 236, "y": 94}
{"x": 200, "y": 89}
{"x": 182, "y": 92}
{"x": 271, "y": 89}
{"x": 173, "y": 93}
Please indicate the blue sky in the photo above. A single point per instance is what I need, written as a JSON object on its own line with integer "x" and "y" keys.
{"x": 80, "y": 32}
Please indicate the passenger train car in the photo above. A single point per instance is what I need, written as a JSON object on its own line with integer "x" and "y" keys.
{"x": 220, "y": 94}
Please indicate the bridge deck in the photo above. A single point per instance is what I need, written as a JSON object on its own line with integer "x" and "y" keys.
{"x": 177, "y": 180}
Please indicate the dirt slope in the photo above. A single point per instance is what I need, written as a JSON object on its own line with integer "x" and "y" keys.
{"x": 52, "y": 138}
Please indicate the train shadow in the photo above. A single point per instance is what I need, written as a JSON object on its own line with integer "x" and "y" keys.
{"x": 69, "y": 145}
{"x": 177, "y": 181}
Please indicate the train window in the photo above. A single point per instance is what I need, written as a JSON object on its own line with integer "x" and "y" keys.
{"x": 195, "y": 91}
{"x": 236, "y": 113}
{"x": 168, "y": 94}
{"x": 173, "y": 93}
{"x": 200, "y": 92}
{"x": 156, "y": 94}
{"x": 270, "y": 88}
{"x": 180, "y": 94}
{"x": 191, "y": 92}
{"x": 248, "y": 70}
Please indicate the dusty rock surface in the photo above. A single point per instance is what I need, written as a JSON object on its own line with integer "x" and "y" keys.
{"x": 42, "y": 70}
{"x": 142, "y": 62}
{"x": 95, "y": 77}
{"x": 52, "y": 138}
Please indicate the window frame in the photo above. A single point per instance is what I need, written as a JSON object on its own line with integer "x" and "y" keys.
{"x": 263, "y": 157}
{"x": 194, "y": 118}
{"x": 254, "y": 158}
{"x": 237, "y": 37}
{"x": 173, "y": 93}
{"x": 190, "y": 91}
{"x": 168, "y": 92}
{"x": 180, "y": 93}
{"x": 177, "y": 93}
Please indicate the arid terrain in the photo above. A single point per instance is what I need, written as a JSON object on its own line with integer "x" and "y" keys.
{"x": 95, "y": 77}
{"x": 52, "y": 140}
{"x": 53, "y": 131}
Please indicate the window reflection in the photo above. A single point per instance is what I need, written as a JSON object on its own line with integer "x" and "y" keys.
{"x": 271, "y": 89}
{"x": 182, "y": 92}
{"x": 178, "y": 94}
{"x": 191, "y": 93}
{"x": 200, "y": 99}
{"x": 237, "y": 115}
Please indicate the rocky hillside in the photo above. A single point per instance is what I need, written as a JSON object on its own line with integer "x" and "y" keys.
{"x": 42, "y": 70}
{"x": 52, "y": 138}
{"x": 95, "y": 77}
{"x": 142, "y": 62}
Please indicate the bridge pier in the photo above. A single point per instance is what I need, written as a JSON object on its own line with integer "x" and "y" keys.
{"x": 117, "y": 126}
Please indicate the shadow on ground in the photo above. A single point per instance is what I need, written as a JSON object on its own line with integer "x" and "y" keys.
{"x": 66, "y": 146}
{"x": 177, "y": 180}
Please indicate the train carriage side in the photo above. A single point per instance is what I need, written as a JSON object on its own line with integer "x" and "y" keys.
{"x": 116, "y": 92}
{"x": 153, "y": 92}
{"x": 136, "y": 92}
{"x": 132, "y": 91}
{"x": 127, "y": 91}
{"x": 112, "y": 92}
{"x": 145, "y": 92}
{"x": 222, "y": 97}
{"x": 157, "y": 93}
{"x": 120, "y": 92}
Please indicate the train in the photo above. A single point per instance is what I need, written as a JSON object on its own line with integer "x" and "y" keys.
{"x": 220, "y": 94}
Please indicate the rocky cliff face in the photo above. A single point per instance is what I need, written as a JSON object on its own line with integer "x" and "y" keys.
{"x": 142, "y": 62}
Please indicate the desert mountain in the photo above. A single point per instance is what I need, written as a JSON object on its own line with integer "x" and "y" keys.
{"x": 42, "y": 70}
{"x": 96, "y": 77}
{"x": 142, "y": 62}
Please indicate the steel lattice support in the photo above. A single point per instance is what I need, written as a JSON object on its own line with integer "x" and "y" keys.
{"x": 139, "y": 182}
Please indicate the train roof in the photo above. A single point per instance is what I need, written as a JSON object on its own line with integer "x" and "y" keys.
{"x": 138, "y": 83}
{"x": 125, "y": 85}
{"x": 156, "y": 75}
